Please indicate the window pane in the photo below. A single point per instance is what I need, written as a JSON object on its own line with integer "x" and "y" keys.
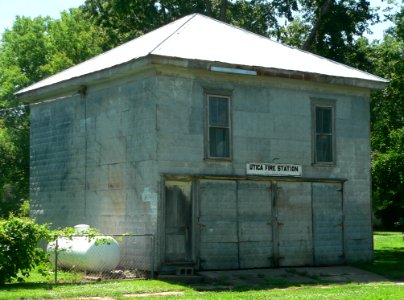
{"x": 223, "y": 112}
{"x": 323, "y": 119}
{"x": 213, "y": 117}
{"x": 218, "y": 111}
{"x": 219, "y": 142}
{"x": 324, "y": 148}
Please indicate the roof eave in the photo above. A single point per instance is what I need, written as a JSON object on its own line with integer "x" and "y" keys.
{"x": 73, "y": 85}
{"x": 272, "y": 72}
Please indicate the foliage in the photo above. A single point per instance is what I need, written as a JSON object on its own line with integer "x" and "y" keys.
{"x": 19, "y": 251}
{"x": 387, "y": 126}
{"x": 14, "y": 159}
{"x": 388, "y": 181}
{"x": 345, "y": 20}
{"x": 30, "y": 51}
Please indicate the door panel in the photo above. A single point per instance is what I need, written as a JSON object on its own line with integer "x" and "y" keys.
{"x": 293, "y": 204}
{"x": 218, "y": 225}
{"x": 327, "y": 224}
{"x": 255, "y": 227}
{"x": 178, "y": 221}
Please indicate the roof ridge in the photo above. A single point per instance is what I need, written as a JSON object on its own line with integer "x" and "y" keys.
{"x": 175, "y": 31}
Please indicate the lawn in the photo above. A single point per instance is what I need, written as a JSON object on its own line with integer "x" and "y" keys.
{"x": 388, "y": 256}
{"x": 389, "y": 262}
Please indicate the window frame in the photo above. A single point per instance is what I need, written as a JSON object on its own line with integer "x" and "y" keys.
{"x": 208, "y": 93}
{"x": 330, "y": 104}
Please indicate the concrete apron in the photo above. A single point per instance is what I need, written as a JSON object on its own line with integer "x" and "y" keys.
{"x": 304, "y": 275}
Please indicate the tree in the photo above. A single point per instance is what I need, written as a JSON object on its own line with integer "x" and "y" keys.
{"x": 387, "y": 126}
{"x": 330, "y": 26}
{"x": 31, "y": 50}
{"x": 124, "y": 20}
{"x": 385, "y": 58}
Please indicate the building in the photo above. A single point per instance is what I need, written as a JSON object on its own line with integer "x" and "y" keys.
{"x": 233, "y": 150}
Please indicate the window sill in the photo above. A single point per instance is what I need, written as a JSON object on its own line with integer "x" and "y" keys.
{"x": 218, "y": 160}
{"x": 324, "y": 164}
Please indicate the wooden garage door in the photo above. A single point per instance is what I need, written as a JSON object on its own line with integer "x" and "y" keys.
{"x": 218, "y": 225}
{"x": 235, "y": 225}
{"x": 245, "y": 224}
{"x": 293, "y": 204}
{"x": 255, "y": 225}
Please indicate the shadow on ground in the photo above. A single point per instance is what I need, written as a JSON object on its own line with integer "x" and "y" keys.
{"x": 276, "y": 278}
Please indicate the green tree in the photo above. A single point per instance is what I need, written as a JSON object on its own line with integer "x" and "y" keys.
{"x": 388, "y": 126}
{"x": 31, "y": 50}
{"x": 19, "y": 251}
{"x": 325, "y": 27}
{"x": 124, "y": 20}
{"x": 329, "y": 28}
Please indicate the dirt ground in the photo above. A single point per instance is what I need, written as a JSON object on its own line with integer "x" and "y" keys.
{"x": 291, "y": 276}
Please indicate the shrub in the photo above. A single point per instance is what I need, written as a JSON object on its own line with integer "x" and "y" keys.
{"x": 19, "y": 251}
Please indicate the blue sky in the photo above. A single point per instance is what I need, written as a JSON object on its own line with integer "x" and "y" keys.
{"x": 9, "y": 9}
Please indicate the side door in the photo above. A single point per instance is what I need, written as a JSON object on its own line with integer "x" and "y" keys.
{"x": 178, "y": 221}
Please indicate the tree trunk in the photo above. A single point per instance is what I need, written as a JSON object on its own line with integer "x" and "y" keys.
{"x": 325, "y": 8}
{"x": 208, "y": 5}
{"x": 223, "y": 10}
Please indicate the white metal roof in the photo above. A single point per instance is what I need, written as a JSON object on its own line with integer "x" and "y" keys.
{"x": 198, "y": 37}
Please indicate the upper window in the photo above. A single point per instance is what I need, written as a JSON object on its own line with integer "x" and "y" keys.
{"x": 218, "y": 126}
{"x": 324, "y": 135}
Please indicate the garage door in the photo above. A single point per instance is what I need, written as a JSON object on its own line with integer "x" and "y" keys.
{"x": 246, "y": 224}
{"x": 293, "y": 204}
{"x": 218, "y": 225}
{"x": 255, "y": 225}
{"x": 235, "y": 225}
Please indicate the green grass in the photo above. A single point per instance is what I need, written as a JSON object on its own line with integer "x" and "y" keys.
{"x": 389, "y": 262}
{"x": 388, "y": 256}
{"x": 128, "y": 289}
{"x": 46, "y": 274}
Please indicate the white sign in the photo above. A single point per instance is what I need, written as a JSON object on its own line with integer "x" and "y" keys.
{"x": 269, "y": 169}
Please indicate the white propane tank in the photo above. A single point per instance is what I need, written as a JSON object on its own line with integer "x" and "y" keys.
{"x": 86, "y": 254}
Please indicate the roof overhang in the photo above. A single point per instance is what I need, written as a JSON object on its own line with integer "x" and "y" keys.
{"x": 150, "y": 62}
{"x": 73, "y": 85}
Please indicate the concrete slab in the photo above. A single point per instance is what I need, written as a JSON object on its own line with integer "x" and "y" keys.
{"x": 291, "y": 276}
